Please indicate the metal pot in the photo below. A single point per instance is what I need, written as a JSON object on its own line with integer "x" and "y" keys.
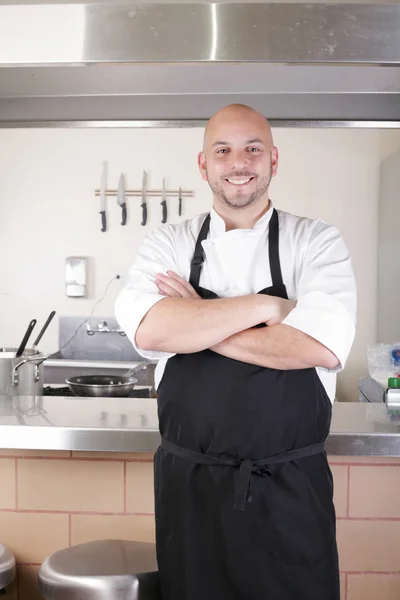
{"x": 101, "y": 385}
{"x": 21, "y": 376}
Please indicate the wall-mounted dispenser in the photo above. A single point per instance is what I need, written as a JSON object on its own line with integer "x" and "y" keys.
{"x": 76, "y": 276}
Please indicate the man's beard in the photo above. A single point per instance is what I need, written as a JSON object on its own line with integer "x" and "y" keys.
{"x": 240, "y": 199}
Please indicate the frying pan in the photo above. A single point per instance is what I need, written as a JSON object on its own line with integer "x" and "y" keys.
{"x": 104, "y": 385}
{"x": 101, "y": 385}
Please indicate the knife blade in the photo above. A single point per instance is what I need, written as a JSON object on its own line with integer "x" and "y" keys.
{"x": 164, "y": 204}
{"x": 103, "y": 197}
{"x": 180, "y": 202}
{"x": 121, "y": 197}
{"x": 144, "y": 200}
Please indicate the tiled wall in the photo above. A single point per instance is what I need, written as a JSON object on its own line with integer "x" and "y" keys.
{"x": 367, "y": 500}
{"x": 49, "y": 500}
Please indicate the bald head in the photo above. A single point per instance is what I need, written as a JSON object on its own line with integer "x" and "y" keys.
{"x": 238, "y": 159}
{"x": 232, "y": 116}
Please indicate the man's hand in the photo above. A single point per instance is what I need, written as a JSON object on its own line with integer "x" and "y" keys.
{"x": 181, "y": 327}
{"x": 174, "y": 286}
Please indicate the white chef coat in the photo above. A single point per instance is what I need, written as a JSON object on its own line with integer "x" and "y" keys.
{"x": 316, "y": 269}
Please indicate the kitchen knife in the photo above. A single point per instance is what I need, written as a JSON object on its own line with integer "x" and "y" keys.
{"x": 164, "y": 204}
{"x": 144, "y": 201}
{"x": 103, "y": 198}
{"x": 121, "y": 198}
{"x": 180, "y": 202}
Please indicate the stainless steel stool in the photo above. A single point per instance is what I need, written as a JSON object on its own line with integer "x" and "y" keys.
{"x": 101, "y": 570}
{"x": 7, "y": 567}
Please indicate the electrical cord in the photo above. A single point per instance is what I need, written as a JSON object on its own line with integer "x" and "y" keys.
{"x": 86, "y": 320}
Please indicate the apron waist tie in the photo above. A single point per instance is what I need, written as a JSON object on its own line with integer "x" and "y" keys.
{"x": 246, "y": 466}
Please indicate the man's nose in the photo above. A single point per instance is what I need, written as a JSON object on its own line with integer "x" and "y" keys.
{"x": 239, "y": 160}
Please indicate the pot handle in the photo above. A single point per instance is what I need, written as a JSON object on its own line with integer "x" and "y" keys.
{"x": 38, "y": 361}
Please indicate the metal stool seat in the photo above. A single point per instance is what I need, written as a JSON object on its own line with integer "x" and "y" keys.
{"x": 101, "y": 570}
{"x": 7, "y": 567}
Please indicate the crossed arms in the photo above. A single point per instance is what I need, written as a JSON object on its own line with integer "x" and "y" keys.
{"x": 184, "y": 323}
{"x": 162, "y": 315}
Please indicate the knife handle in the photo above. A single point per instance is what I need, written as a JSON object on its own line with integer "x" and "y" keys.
{"x": 103, "y": 220}
{"x": 144, "y": 213}
{"x": 164, "y": 211}
{"x": 123, "y": 206}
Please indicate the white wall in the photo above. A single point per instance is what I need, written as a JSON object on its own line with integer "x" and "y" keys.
{"x": 388, "y": 323}
{"x": 48, "y": 211}
{"x": 389, "y": 142}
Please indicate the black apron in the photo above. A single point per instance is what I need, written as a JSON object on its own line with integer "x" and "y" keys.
{"x": 243, "y": 489}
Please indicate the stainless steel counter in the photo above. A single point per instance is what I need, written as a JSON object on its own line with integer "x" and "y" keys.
{"x": 131, "y": 425}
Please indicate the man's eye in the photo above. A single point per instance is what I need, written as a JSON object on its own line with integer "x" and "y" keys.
{"x": 222, "y": 151}
{"x": 254, "y": 149}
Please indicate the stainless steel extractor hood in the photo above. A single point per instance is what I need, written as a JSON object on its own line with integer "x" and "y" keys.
{"x": 175, "y": 64}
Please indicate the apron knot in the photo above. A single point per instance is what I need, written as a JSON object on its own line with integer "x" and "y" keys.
{"x": 246, "y": 468}
{"x": 261, "y": 471}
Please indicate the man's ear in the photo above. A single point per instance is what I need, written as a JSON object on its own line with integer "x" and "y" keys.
{"x": 202, "y": 162}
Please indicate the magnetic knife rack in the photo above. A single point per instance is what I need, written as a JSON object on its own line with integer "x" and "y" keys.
{"x": 150, "y": 193}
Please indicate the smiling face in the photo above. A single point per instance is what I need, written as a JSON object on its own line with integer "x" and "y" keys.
{"x": 238, "y": 158}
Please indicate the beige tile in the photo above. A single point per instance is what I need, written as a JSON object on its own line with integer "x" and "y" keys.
{"x": 86, "y": 528}
{"x": 70, "y": 485}
{"x": 340, "y": 489}
{"x": 35, "y": 453}
{"x": 32, "y": 536}
{"x": 7, "y": 487}
{"x": 375, "y": 492}
{"x": 368, "y": 545}
{"x": 139, "y": 487}
{"x": 343, "y": 585}
{"x": 147, "y": 456}
{"x": 28, "y": 583}
{"x": 370, "y": 460}
{"x": 373, "y": 587}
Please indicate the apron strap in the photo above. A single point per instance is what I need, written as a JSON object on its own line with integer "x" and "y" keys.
{"x": 273, "y": 247}
{"x": 198, "y": 257}
{"x": 246, "y": 466}
{"x": 243, "y": 484}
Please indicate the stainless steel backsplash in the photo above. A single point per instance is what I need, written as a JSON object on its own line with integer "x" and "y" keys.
{"x": 100, "y": 346}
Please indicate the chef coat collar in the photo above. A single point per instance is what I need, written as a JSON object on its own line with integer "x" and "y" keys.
{"x": 218, "y": 224}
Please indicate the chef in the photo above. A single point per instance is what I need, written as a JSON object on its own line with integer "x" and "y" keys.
{"x": 251, "y": 312}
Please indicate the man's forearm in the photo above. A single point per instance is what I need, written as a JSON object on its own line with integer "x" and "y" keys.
{"x": 277, "y": 347}
{"x": 184, "y": 325}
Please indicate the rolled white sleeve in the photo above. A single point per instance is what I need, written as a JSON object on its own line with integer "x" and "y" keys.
{"x": 140, "y": 294}
{"x": 326, "y": 302}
